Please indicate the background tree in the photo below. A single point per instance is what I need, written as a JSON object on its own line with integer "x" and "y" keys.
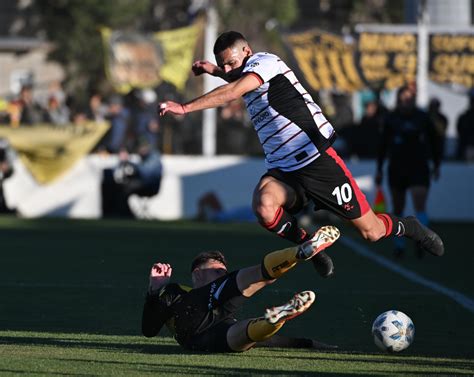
{"x": 73, "y": 27}
{"x": 259, "y": 21}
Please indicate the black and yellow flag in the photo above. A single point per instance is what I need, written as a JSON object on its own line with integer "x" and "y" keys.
{"x": 386, "y": 60}
{"x": 136, "y": 60}
{"x": 49, "y": 151}
{"x": 452, "y": 59}
{"x": 325, "y": 60}
{"x": 380, "y": 59}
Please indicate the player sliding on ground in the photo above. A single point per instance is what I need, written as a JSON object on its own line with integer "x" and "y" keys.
{"x": 296, "y": 138}
{"x": 202, "y": 318}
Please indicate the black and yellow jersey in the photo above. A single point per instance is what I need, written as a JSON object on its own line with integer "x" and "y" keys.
{"x": 190, "y": 312}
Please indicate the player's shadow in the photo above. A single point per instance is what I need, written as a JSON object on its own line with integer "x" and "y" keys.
{"x": 164, "y": 349}
{"x": 459, "y": 364}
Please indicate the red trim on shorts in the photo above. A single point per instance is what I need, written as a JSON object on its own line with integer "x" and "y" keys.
{"x": 387, "y": 222}
{"x": 361, "y": 199}
{"x": 276, "y": 219}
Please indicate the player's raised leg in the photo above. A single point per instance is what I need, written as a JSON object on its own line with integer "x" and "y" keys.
{"x": 270, "y": 199}
{"x": 419, "y": 194}
{"x": 398, "y": 195}
{"x": 277, "y": 263}
{"x": 244, "y": 334}
{"x": 349, "y": 202}
{"x": 374, "y": 227}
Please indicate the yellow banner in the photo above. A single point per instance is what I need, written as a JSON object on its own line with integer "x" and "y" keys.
{"x": 49, "y": 151}
{"x": 326, "y": 61}
{"x": 387, "y": 60}
{"x": 178, "y": 47}
{"x": 131, "y": 60}
{"x": 144, "y": 61}
{"x": 380, "y": 59}
{"x": 452, "y": 59}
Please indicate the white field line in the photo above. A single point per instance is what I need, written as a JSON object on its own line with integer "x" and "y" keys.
{"x": 360, "y": 249}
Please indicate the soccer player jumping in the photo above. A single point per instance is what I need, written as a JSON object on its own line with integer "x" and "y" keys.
{"x": 203, "y": 318}
{"x": 296, "y": 138}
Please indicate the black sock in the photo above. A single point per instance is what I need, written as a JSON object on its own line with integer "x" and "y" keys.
{"x": 402, "y": 226}
{"x": 286, "y": 226}
{"x": 413, "y": 228}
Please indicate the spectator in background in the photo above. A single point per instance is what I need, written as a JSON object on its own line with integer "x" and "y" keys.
{"x": 79, "y": 116}
{"x": 142, "y": 178}
{"x": 144, "y": 118}
{"x": 465, "y": 128}
{"x": 57, "y": 113}
{"x": 30, "y": 112}
{"x": 97, "y": 110}
{"x": 6, "y": 170}
{"x": 440, "y": 122}
{"x": 409, "y": 140}
{"x": 118, "y": 116}
{"x": 362, "y": 140}
{"x": 4, "y": 112}
{"x": 231, "y": 130}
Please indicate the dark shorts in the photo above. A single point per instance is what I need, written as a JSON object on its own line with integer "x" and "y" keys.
{"x": 215, "y": 303}
{"x": 404, "y": 177}
{"x": 328, "y": 183}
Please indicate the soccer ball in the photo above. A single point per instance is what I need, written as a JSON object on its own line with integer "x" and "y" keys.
{"x": 393, "y": 331}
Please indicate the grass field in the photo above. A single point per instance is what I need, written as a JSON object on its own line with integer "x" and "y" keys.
{"x": 72, "y": 295}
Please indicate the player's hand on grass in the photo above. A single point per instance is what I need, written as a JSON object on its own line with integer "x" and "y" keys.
{"x": 160, "y": 275}
{"x": 171, "y": 107}
{"x": 203, "y": 66}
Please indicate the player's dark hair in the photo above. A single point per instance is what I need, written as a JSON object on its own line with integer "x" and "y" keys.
{"x": 226, "y": 40}
{"x": 207, "y": 255}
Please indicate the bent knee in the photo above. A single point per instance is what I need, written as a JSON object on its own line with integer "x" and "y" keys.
{"x": 265, "y": 207}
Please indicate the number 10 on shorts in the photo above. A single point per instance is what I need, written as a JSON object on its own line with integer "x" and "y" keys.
{"x": 343, "y": 193}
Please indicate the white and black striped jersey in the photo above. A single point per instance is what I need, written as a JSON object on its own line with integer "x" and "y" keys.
{"x": 289, "y": 124}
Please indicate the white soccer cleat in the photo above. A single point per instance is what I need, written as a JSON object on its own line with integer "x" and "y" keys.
{"x": 293, "y": 308}
{"x": 321, "y": 239}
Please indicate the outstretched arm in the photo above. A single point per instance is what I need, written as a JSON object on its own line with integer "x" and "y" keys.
{"x": 160, "y": 275}
{"x": 217, "y": 97}
{"x": 203, "y": 66}
{"x": 155, "y": 311}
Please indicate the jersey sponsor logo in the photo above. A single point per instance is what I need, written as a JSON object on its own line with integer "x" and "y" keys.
{"x": 348, "y": 207}
{"x": 280, "y": 266}
{"x": 253, "y": 65}
{"x": 261, "y": 117}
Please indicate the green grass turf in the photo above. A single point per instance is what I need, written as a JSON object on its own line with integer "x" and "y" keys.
{"x": 72, "y": 295}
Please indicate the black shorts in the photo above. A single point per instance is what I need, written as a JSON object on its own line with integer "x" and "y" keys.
{"x": 404, "y": 177}
{"x": 328, "y": 183}
{"x": 214, "y": 305}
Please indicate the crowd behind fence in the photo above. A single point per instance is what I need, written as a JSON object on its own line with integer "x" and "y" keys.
{"x": 133, "y": 117}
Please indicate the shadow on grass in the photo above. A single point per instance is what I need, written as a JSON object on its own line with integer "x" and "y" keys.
{"x": 163, "y": 349}
{"x": 38, "y": 371}
{"x": 412, "y": 360}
